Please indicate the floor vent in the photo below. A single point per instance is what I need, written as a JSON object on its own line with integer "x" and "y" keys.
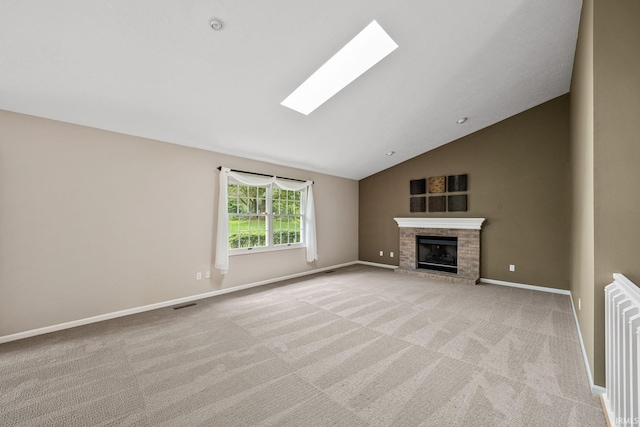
{"x": 184, "y": 306}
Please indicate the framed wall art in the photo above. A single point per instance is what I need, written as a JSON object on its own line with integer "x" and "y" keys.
{"x": 418, "y": 186}
{"x": 457, "y": 183}
{"x": 437, "y": 204}
{"x": 418, "y": 204}
{"x": 437, "y": 184}
{"x": 457, "y": 203}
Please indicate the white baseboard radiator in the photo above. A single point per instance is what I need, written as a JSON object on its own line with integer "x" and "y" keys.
{"x": 622, "y": 329}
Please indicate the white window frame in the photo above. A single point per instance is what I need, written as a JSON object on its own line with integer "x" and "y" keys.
{"x": 269, "y": 237}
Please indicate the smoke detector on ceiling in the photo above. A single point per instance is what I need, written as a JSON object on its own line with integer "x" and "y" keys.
{"x": 216, "y": 24}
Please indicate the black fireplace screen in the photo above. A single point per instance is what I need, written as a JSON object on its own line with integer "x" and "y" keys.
{"x": 437, "y": 253}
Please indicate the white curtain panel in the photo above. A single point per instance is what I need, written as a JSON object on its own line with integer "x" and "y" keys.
{"x": 222, "y": 235}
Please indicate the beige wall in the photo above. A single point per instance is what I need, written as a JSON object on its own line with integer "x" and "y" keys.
{"x": 582, "y": 212}
{"x": 616, "y": 152}
{"x": 93, "y": 222}
{"x": 518, "y": 179}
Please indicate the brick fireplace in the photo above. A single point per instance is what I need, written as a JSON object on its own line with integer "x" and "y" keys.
{"x": 467, "y": 232}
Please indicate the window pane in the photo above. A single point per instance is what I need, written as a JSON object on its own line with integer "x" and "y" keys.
{"x": 233, "y": 241}
{"x": 262, "y": 206}
{"x": 244, "y": 240}
{"x": 233, "y": 223}
{"x": 241, "y": 224}
{"x": 242, "y": 205}
{"x": 254, "y": 223}
{"x": 253, "y": 192}
{"x": 286, "y": 230}
{"x": 232, "y": 202}
{"x": 232, "y": 206}
{"x": 275, "y": 193}
{"x": 262, "y": 192}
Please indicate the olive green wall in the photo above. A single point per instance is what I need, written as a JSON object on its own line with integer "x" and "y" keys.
{"x": 518, "y": 173}
{"x": 616, "y": 152}
{"x": 582, "y": 220}
{"x": 605, "y": 141}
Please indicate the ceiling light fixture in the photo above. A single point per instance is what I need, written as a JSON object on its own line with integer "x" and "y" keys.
{"x": 361, "y": 53}
{"x": 216, "y": 24}
{"x": 391, "y": 153}
{"x": 462, "y": 120}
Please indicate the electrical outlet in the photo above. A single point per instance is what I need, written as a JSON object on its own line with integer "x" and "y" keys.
{"x": 512, "y": 267}
{"x": 579, "y": 304}
{"x": 391, "y": 254}
{"x": 207, "y": 275}
{"x": 381, "y": 253}
{"x": 198, "y": 276}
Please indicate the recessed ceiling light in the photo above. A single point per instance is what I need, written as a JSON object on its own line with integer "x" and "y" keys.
{"x": 361, "y": 53}
{"x": 391, "y": 153}
{"x": 462, "y": 120}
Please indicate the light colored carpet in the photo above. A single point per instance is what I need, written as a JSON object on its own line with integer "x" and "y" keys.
{"x": 359, "y": 346}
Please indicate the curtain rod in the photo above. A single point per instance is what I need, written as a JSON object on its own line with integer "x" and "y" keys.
{"x": 264, "y": 174}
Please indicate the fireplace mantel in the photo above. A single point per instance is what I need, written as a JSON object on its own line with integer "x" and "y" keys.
{"x": 450, "y": 223}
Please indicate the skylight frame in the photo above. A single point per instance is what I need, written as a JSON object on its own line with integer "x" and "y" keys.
{"x": 364, "y": 51}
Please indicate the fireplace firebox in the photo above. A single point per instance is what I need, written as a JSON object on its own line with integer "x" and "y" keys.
{"x": 438, "y": 253}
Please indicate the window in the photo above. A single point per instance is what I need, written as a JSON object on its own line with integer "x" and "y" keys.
{"x": 263, "y": 217}
{"x": 263, "y": 213}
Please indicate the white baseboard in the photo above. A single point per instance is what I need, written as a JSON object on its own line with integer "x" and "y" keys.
{"x": 375, "y": 264}
{"x": 178, "y": 301}
{"x": 595, "y": 389}
{"x": 525, "y": 286}
{"x": 608, "y": 412}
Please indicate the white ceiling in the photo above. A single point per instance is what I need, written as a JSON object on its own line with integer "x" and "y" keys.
{"x": 154, "y": 68}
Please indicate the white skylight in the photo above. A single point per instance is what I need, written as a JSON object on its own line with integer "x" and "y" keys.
{"x": 361, "y": 53}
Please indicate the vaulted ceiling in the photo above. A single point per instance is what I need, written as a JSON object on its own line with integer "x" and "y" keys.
{"x": 156, "y": 69}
